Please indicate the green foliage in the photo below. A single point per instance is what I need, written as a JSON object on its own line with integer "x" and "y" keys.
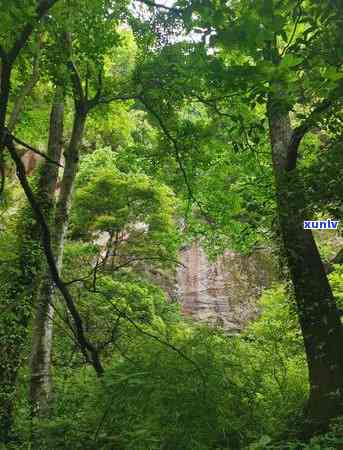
{"x": 276, "y": 338}
{"x": 331, "y": 440}
{"x": 191, "y": 146}
{"x": 336, "y": 281}
{"x": 171, "y": 385}
{"x": 135, "y": 211}
{"x": 323, "y": 175}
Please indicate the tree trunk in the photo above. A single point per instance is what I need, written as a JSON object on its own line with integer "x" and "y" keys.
{"x": 40, "y": 387}
{"x": 5, "y": 78}
{"x": 69, "y": 174}
{"x": 19, "y": 292}
{"x": 42, "y": 327}
{"x": 25, "y": 90}
{"x": 317, "y": 311}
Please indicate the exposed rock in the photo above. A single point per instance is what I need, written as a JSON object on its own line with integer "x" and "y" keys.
{"x": 30, "y": 161}
{"x": 224, "y": 292}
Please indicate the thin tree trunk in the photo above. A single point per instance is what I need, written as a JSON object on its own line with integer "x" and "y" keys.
{"x": 318, "y": 315}
{"x": 20, "y": 293}
{"x": 69, "y": 174}
{"x": 40, "y": 387}
{"x": 5, "y": 78}
{"x": 11, "y": 342}
{"x": 42, "y": 326}
{"x": 24, "y": 92}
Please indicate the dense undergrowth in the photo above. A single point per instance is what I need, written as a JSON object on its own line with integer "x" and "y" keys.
{"x": 174, "y": 385}
{"x": 129, "y": 129}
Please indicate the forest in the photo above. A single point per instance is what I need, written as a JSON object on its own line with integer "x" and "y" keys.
{"x": 134, "y": 134}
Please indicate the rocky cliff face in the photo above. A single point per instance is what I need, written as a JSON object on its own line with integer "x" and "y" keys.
{"x": 224, "y": 292}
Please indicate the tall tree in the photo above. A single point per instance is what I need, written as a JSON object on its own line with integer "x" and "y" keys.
{"x": 91, "y": 86}
{"x": 11, "y": 46}
{"x": 270, "y": 56}
{"x": 277, "y": 41}
{"x": 40, "y": 387}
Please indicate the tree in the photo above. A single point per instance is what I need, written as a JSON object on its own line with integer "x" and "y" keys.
{"x": 280, "y": 47}
{"x": 266, "y": 57}
{"x": 87, "y": 63}
{"x": 11, "y": 47}
{"x": 63, "y": 69}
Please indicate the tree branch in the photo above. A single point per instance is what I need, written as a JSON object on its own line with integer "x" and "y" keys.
{"x": 298, "y": 6}
{"x": 79, "y": 96}
{"x": 178, "y": 158}
{"x": 86, "y": 347}
{"x": 42, "y": 8}
{"x": 2, "y": 178}
{"x": 106, "y": 100}
{"x": 122, "y": 266}
{"x": 337, "y": 259}
{"x": 15, "y": 139}
{"x": 309, "y": 123}
{"x": 153, "y": 4}
{"x": 24, "y": 92}
{"x": 3, "y": 54}
{"x": 7, "y": 64}
{"x": 98, "y": 93}
{"x": 153, "y": 336}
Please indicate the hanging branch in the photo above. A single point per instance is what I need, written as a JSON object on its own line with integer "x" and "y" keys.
{"x": 42, "y": 8}
{"x": 178, "y": 158}
{"x": 154, "y": 337}
{"x": 24, "y": 92}
{"x": 89, "y": 351}
{"x": 8, "y": 59}
{"x": 310, "y": 122}
{"x": 34, "y": 150}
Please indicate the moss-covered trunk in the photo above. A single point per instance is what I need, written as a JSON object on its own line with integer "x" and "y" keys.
{"x": 20, "y": 289}
{"x": 318, "y": 315}
{"x": 40, "y": 385}
{"x": 42, "y": 329}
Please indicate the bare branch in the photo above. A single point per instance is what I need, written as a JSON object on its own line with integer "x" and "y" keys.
{"x": 127, "y": 263}
{"x": 42, "y": 8}
{"x": 24, "y": 92}
{"x": 89, "y": 351}
{"x": 77, "y": 84}
{"x": 178, "y": 158}
{"x": 34, "y": 150}
{"x": 309, "y": 123}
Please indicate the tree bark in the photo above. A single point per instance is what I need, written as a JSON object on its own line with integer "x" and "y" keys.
{"x": 5, "y": 84}
{"x": 40, "y": 386}
{"x": 13, "y": 329}
{"x": 24, "y": 92}
{"x": 318, "y": 314}
{"x": 69, "y": 174}
{"x": 20, "y": 293}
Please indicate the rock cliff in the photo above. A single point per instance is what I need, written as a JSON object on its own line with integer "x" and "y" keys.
{"x": 223, "y": 292}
